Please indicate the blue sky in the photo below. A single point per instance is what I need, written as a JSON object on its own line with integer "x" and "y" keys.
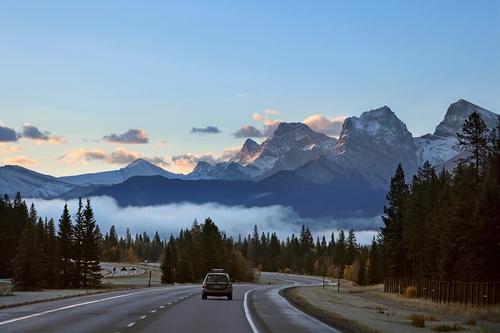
{"x": 84, "y": 71}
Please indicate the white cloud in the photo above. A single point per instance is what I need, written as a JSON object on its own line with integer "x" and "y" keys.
{"x": 328, "y": 126}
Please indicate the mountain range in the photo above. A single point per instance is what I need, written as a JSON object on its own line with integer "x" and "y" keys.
{"x": 313, "y": 173}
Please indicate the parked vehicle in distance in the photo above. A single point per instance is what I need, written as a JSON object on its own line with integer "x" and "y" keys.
{"x": 133, "y": 268}
{"x": 217, "y": 283}
{"x": 124, "y": 269}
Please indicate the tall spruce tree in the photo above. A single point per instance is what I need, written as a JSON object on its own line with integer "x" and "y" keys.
{"x": 27, "y": 264}
{"x": 393, "y": 219}
{"x": 168, "y": 263}
{"x": 90, "y": 248}
{"x": 474, "y": 138}
{"x": 65, "y": 248}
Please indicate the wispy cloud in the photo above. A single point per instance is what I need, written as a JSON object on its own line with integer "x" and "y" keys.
{"x": 273, "y": 112}
{"x": 20, "y": 160}
{"x": 205, "y": 130}
{"x": 132, "y": 136}
{"x": 248, "y": 131}
{"x": 119, "y": 156}
{"x": 328, "y": 126}
{"x": 40, "y": 136}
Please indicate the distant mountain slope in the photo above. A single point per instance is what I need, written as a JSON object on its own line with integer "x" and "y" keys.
{"x": 31, "y": 184}
{"x": 139, "y": 167}
{"x": 441, "y": 147}
{"x": 335, "y": 199}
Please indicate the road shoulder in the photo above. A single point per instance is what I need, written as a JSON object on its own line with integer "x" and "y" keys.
{"x": 354, "y": 311}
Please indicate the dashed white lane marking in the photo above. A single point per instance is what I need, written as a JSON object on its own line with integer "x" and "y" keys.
{"x": 161, "y": 307}
{"x": 169, "y": 303}
{"x": 153, "y": 311}
{"x": 142, "y": 317}
{"x": 247, "y": 311}
{"x": 75, "y": 305}
{"x": 131, "y": 324}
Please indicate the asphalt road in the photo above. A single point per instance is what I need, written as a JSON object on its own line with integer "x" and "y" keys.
{"x": 254, "y": 309}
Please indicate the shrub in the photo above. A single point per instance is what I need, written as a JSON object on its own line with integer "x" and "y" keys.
{"x": 417, "y": 320}
{"x": 470, "y": 322}
{"x": 410, "y": 292}
{"x": 447, "y": 328}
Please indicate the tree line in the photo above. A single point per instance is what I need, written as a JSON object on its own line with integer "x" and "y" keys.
{"x": 446, "y": 225}
{"x": 35, "y": 256}
{"x": 188, "y": 257}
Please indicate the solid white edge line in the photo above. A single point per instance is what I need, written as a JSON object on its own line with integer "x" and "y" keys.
{"x": 131, "y": 324}
{"x": 76, "y": 305}
{"x": 248, "y": 315}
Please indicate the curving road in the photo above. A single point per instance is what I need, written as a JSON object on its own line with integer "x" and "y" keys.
{"x": 254, "y": 309}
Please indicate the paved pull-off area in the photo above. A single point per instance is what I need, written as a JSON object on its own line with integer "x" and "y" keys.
{"x": 254, "y": 309}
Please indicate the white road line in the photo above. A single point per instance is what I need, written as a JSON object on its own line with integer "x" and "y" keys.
{"x": 75, "y": 305}
{"x": 161, "y": 307}
{"x": 153, "y": 311}
{"x": 131, "y": 324}
{"x": 169, "y": 303}
{"x": 248, "y": 315}
{"x": 142, "y": 317}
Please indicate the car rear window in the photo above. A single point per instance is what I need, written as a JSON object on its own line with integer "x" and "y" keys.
{"x": 216, "y": 278}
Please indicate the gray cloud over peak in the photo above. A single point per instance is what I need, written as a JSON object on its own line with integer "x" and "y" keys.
{"x": 8, "y": 134}
{"x": 205, "y": 130}
{"x": 248, "y": 131}
{"x": 132, "y": 136}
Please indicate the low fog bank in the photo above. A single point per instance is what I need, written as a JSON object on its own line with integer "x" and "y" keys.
{"x": 171, "y": 218}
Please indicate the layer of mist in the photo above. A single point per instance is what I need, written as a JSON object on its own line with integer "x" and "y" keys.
{"x": 171, "y": 218}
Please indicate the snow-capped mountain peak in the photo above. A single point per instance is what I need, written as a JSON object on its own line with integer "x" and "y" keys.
{"x": 442, "y": 146}
{"x": 380, "y": 124}
{"x": 457, "y": 113}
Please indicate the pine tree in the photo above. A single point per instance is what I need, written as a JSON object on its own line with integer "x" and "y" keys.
{"x": 52, "y": 264}
{"x": 90, "y": 248}
{"x": 185, "y": 271}
{"x": 78, "y": 248}
{"x": 168, "y": 263}
{"x": 352, "y": 247}
{"x": 474, "y": 138}
{"x": 27, "y": 264}
{"x": 65, "y": 248}
{"x": 392, "y": 231}
{"x": 375, "y": 268}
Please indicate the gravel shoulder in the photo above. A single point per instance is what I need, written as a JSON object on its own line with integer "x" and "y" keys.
{"x": 362, "y": 309}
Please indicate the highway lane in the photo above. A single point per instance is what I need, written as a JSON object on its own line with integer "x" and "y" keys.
{"x": 254, "y": 308}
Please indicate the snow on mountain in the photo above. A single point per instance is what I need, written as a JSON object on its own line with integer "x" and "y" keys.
{"x": 435, "y": 149}
{"x": 441, "y": 147}
{"x": 372, "y": 145}
{"x": 456, "y": 115}
{"x": 139, "y": 167}
{"x": 291, "y": 146}
{"x": 31, "y": 184}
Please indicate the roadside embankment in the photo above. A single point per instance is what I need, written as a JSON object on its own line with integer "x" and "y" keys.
{"x": 368, "y": 309}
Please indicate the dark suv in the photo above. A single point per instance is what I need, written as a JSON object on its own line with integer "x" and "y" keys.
{"x": 217, "y": 284}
